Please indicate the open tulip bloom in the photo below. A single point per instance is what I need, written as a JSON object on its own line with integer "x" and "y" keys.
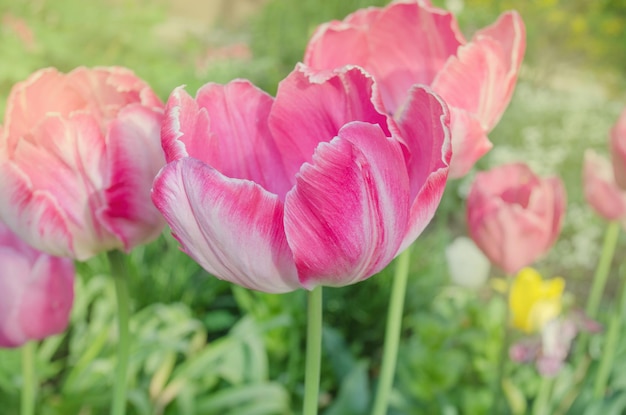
{"x": 78, "y": 153}
{"x": 410, "y": 42}
{"x": 318, "y": 186}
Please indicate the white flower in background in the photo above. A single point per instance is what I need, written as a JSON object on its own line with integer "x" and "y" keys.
{"x": 467, "y": 265}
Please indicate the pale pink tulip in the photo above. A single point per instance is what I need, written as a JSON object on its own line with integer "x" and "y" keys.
{"x": 514, "y": 216}
{"x": 412, "y": 42}
{"x": 36, "y": 291}
{"x": 618, "y": 150}
{"x": 315, "y": 187}
{"x": 601, "y": 191}
{"x": 78, "y": 153}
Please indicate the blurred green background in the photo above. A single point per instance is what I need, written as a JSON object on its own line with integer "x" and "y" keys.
{"x": 206, "y": 347}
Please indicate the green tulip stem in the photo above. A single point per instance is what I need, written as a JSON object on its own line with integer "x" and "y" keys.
{"x": 602, "y": 271}
{"x": 541, "y": 405}
{"x": 313, "y": 352}
{"x": 392, "y": 333}
{"x": 497, "y": 389}
{"x": 29, "y": 379}
{"x": 119, "y": 272}
{"x": 611, "y": 342}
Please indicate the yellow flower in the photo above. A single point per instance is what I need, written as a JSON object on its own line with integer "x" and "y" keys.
{"x": 534, "y": 302}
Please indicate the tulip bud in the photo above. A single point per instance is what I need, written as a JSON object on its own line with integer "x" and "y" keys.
{"x": 601, "y": 191}
{"x": 514, "y": 216}
{"x": 36, "y": 292}
{"x": 618, "y": 150}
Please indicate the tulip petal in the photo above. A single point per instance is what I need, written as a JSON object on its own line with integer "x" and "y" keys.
{"x": 406, "y": 43}
{"x": 34, "y": 215}
{"x": 134, "y": 156}
{"x": 11, "y": 293}
{"x": 107, "y": 89}
{"x": 618, "y": 150}
{"x": 331, "y": 99}
{"x": 233, "y": 228}
{"x": 482, "y": 77}
{"x": 45, "y": 310}
{"x": 469, "y": 142}
{"x": 26, "y": 105}
{"x": 347, "y": 215}
{"x": 226, "y": 127}
{"x": 242, "y": 146}
{"x": 184, "y": 125}
{"x": 557, "y": 190}
{"x": 423, "y": 127}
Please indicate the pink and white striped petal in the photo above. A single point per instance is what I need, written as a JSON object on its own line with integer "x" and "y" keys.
{"x": 233, "y": 228}
{"x": 423, "y": 127}
{"x": 311, "y": 107}
{"x": 35, "y": 216}
{"x": 347, "y": 215}
{"x": 226, "y": 127}
{"x": 135, "y": 157}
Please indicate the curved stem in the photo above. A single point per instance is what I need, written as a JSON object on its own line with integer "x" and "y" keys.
{"x": 604, "y": 265}
{"x": 610, "y": 345}
{"x": 119, "y": 272}
{"x": 29, "y": 378}
{"x": 313, "y": 352}
{"x": 392, "y": 333}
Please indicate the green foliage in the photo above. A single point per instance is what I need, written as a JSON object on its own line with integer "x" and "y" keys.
{"x": 173, "y": 370}
{"x": 454, "y": 341}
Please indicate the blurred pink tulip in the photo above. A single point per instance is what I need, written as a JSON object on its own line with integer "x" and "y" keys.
{"x": 618, "y": 150}
{"x": 315, "y": 187}
{"x": 514, "y": 216}
{"x": 601, "y": 191}
{"x": 78, "y": 154}
{"x": 412, "y": 42}
{"x": 36, "y": 292}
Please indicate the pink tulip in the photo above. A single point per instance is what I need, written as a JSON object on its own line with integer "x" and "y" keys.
{"x": 514, "y": 216}
{"x": 315, "y": 187}
{"x": 78, "y": 154}
{"x": 618, "y": 150}
{"x": 412, "y": 42}
{"x": 36, "y": 292}
{"x": 601, "y": 191}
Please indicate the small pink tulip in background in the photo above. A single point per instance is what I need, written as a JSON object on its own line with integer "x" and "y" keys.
{"x": 36, "y": 292}
{"x": 318, "y": 186}
{"x": 78, "y": 153}
{"x": 601, "y": 191}
{"x": 412, "y": 42}
{"x": 618, "y": 150}
{"x": 514, "y": 216}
